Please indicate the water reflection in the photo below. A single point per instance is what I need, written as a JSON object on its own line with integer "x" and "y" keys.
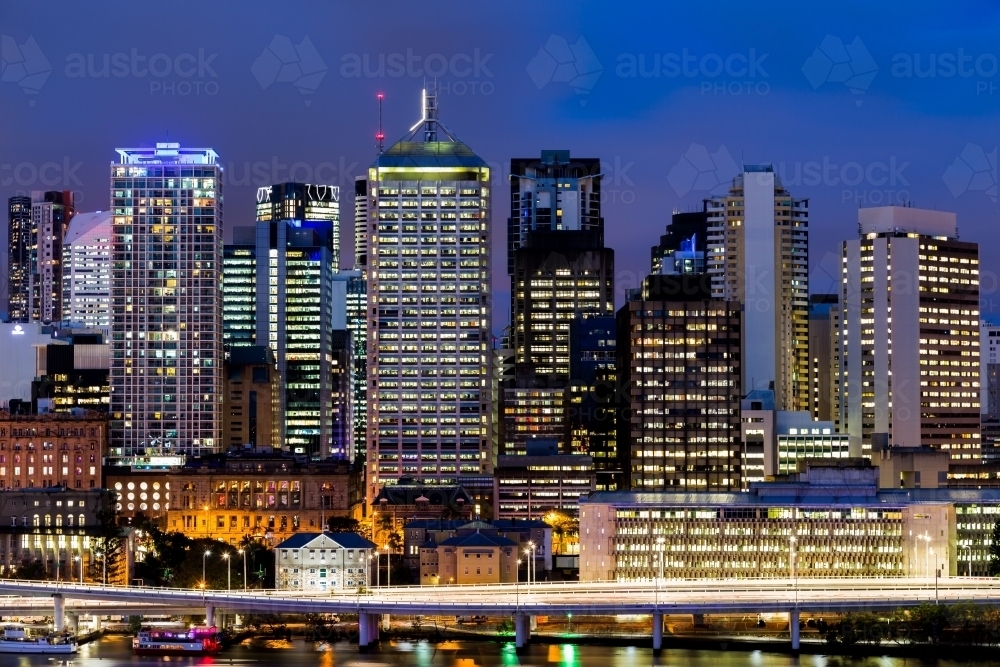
{"x": 117, "y": 652}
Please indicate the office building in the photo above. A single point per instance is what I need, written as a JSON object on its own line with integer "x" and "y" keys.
{"x": 341, "y": 394}
{"x": 679, "y": 368}
{"x": 910, "y": 363}
{"x": 252, "y": 405}
{"x": 531, "y": 486}
{"x": 361, "y": 224}
{"x": 19, "y": 237}
{"x": 553, "y": 193}
{"x": 72, "y": 373}
{"x": 683, "y": 228}
{"x": 989, "y": 373}
{"x": 18, "y": 362}
{"x": 268, "y": 495}
{"x": 429, "y": 407}
{"x": 350, "y": 313}
{"x": 776, "y": 442}
{"x": 591, "y": 406}
{"x": 166, "y": 304}
{"x": 36, "y": 231}
{"x": 239, "y": 289}
{"x": 823, "y": 315}
{"x": 86, "y": 270}
{"x": 843, "y": 525}
{"x": 52, "y": 450}
{"x": 297, "y": 231}
{"x": 758, "y": 255}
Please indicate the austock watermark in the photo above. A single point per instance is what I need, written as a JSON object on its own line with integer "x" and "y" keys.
{"x": 300, "y": 65}
{"x": 182, "y": 74}
{"x": 617, "y": 185}
{"x": 847, "y": 63}
{"x": 263, "y": 173}
{"x": 455, "y": 74}
{"x": 730, "y": 74}
{"x": 560, "y": 62}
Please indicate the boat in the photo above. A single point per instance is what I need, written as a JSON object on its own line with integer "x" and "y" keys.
{"x": 16, "y": 639}
{"x": 196, "y": 641}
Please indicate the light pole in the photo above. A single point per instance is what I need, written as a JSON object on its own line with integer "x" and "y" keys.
{"x": 531, "y": 562}
{"x": 244, "y": 553}
{"x": 927, "y": 545}
{"x": 229, "y": 572}
{"x": 660, "y": 542}
{"x": 388, "y": 567}
{"x": 204, "y": 559}
{"x": 80, "y": 560}
{"x": 517, "y": 588}
{"x": 937, "y": 573}
{"x": 969, "y": 548}
{"x": 378, "y": 568}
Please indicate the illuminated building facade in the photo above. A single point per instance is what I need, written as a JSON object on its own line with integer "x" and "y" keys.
{"x": 18, "y": 257}
{"x": 909, "y": 356}
{"x": 679, "y": 363}
{"x": 758, "y": 255}
{"x": 429, "y": 353}
{"x": 87, "y": 270}
{"x": 832, "y": 520}
{"x": 166, "y": 301}
{"x": 51, "y": 213}
{"x": 239, "y": 289}
{"x": 52, "y": 450}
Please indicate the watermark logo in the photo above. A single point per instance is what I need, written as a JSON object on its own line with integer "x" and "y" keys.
{"x": 283, "y": 62}
{"x": 836, "y": 62}
{"x": 24, "y": 65}
{"x": 559, "y": 62}
{"x": 182, "y": 74}
{"x": 459, "y": 73}
{"x": 699, "y": 170}
{"x": 734, "y": 74}
{"x": 973, "y": 170}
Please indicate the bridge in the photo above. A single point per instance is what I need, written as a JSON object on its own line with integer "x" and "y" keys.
{"x": 523, "y": 601}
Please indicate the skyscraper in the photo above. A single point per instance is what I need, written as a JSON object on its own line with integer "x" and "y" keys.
{"x": 560, "y": 271}
{"x": 18, "y": 257}
{"x": 909, "y": 354}
{"x": 166, "y": 314}
{"x": 239, "y": 289}
{"x": 361, "y": 223}
{"x": 51, "y": 213}
{"x": 429, "y": 308}
{"x": 758, "y": 254}
{"x": 823, "y": 315}
{"x": 351, "y": 298}
{"x": 36, "y": 229}
{"x": 87, "y": 270}
{"x": 679, "y": 376}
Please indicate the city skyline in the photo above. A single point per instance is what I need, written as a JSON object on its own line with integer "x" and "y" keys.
{"x": 668, "y": 136}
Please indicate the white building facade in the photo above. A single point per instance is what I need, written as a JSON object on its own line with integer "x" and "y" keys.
{"x": 318, "y": 562}
{"x": 87, "y": 270}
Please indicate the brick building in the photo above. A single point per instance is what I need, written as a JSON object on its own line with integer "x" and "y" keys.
{"x": 52, "y": 450}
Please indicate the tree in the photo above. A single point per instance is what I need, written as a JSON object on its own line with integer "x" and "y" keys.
{"x": 108, "y": 545}
{"x": 565, "y": 529}
{"x": 31, "y": 569}
{"x": 995, "y": 551}
{"x": 343, "y": 524}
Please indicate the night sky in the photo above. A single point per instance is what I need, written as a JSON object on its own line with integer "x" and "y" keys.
{"x": 855, "y": 103}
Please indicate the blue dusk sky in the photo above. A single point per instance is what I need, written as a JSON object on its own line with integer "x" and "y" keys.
{"x": 855, "y": 103}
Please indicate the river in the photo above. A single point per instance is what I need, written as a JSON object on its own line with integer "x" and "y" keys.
{"x": 117, "y": 652}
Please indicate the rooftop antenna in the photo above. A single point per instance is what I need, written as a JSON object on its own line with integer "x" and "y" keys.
{"x": 380, "y": 136}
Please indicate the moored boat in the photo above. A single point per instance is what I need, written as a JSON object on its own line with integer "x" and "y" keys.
{"x": 16, "y": 639}
{"x": 196, "y": 641}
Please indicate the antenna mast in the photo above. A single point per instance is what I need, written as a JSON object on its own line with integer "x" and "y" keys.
{"x": 380, "y": 136}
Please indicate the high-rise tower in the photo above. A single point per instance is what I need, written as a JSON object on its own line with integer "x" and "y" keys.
{"x": 166, "y": 314}
{"x": 87, "y": 270}
{"x": 758, "y": 255}
{"x": 909, "y": 334}
{"x": 18, "y": 257}
{"x": 429, "y": 309}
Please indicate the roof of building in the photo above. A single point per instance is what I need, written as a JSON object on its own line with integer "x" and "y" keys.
{"x": 249, "y": 355}
{"x": 430, "y": 154}
{"x": 429, "y": 544}
{"x": 344, "y": 540}
{"x": 407, "y": 494}
{"x": 478, "y": 540}
{"x": 83, "y": 224}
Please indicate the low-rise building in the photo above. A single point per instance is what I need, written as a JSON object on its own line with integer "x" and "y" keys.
{"x": 54, "y": 449}
{"x": 319, "y": 562}
{"x": 534, "y": 537}
{"x": 60, "y": 529}
{"x": 262, "y": 494}
{"x": 475, "y": 557}
{"x": 833, "y": 520}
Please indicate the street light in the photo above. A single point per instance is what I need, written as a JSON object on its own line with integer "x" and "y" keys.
{"x": 204, "y": 580}
{"x": 531, "y": 561}
{"x": 378, "y": 568}
{"x": 969, "y": 548}
{"x": 517, "y": 587}
{"x": 79, "y": 560}
{"x": 388, "y": 567}
{"x": 927, "y": 544}
{"x": 229, "y": 572}
{"x": 660, "y": 542}
{"x": 243, "y": 551}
